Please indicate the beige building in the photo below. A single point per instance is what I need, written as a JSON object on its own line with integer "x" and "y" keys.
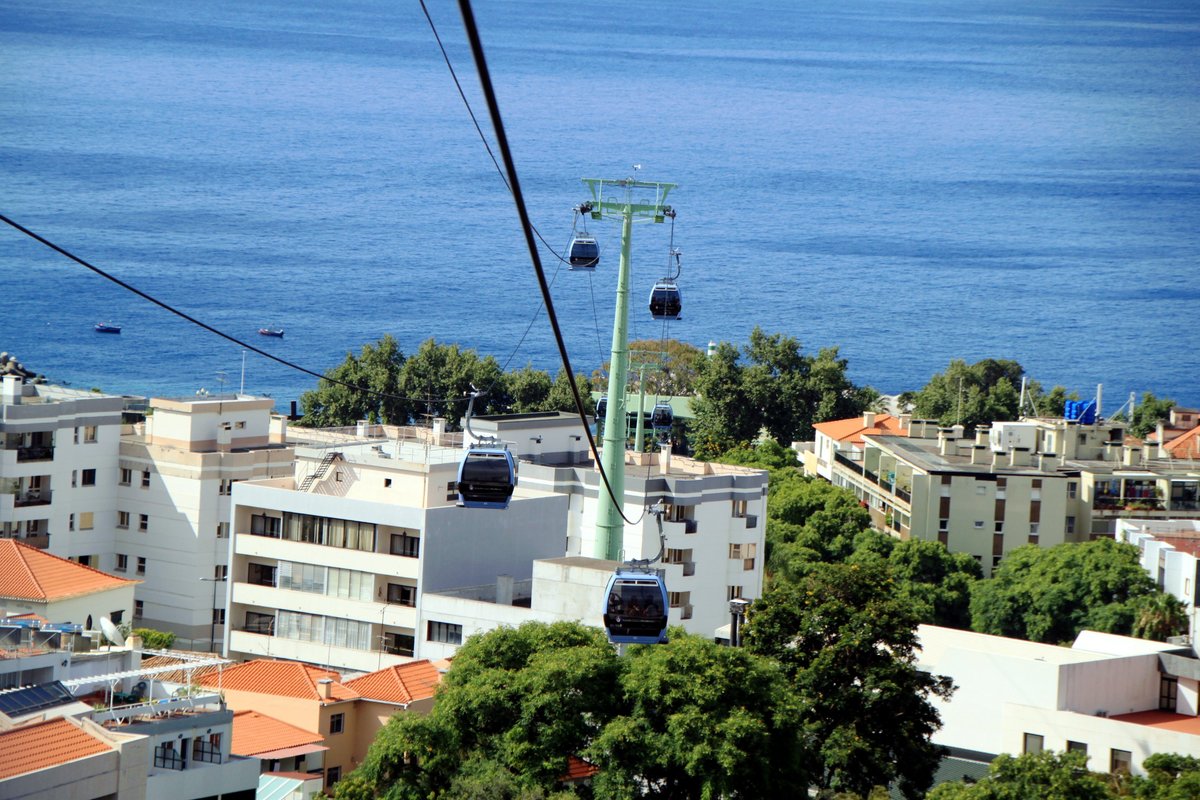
{"x": 1037, "y": 481}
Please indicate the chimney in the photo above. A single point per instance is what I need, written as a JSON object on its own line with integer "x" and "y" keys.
{"x": 362, "y": 429}
{"x": 959, "y": 431}
{"x": 1019, "y": 457}
{"x": 946, "y": 441}
{"x": 981, "y": 434}
{"x": 664, "y": 459}
{"x": 224, "y": 437}
{"x": 868, "y": 419}
{"x": 504, "y": 590}
{"x": 905, "y": 420}
{"x": 325, "y": 688}
{"x": 1131, "y": 456}
{"x": 979, "y": 454}
{"x": 1046, "y": 462}
{"x": 10, "y": 394}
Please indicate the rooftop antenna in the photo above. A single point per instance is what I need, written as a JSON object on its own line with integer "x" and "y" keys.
{"x": 221, "y": 378}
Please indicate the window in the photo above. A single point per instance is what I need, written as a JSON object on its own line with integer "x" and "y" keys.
{"x": 88, "y": 477}
{"x": 126, "y": 476}
{"x": 1034, "y": 527}
{"x": 944, "y": 524}
{"x": 218, "y": 616}
{"x": 739, "y": 508}
{"x": 221, "y": 572}
{"x": 86, "y": 520}
{"x": 445, "y": 632}
{"x": 260, "y": 575}
{"x": 141, "y": 565}
{"x": 260, "y": 623}
{"x": 122, "y": 519}
{"x": 979, "y": 523}
{"x": 402, "y": 595}
{"x": 117, "y": 616}
{"x": 399, "y": 644}
{"x": 735, "y": 551}
{"x": 387, "y": 483}
{"x": 1120, "y": 761}
{"x": 1072, "y": 489}
{"x": 733, "y": 593}
{"x": 1168, "y": 694}
{"x": 1033, "y": 743}
{"x": 145, "y": 479}
{"x": 405, "y": 545}
{"x": 89, "y": 434}
{"x": 143, "y": 522}
{"x": 999, "y": 526}
{"x": 165, "y": 756}
{"x": 85, "y": 560}
{"x": 70, "y": 522}
{"x": 122, "y": 562}
{"x": 240, "y": 425}
{"x": 1076, "y": 747}
{"x": 452, "y": 490}
{"x": 333, "y": 774}
{"x": 74, "y": 478}
{"x": 226, "y": 488}
{"x": 1070, "y": 524}
{"x": 138, "y": 607}
{"x": 337, "y": 723}
{"x": 262, "y": 525}
{"x": 981, "y": 488}
{"x": 222, "y": 530}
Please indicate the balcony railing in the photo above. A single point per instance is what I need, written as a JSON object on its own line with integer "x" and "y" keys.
{"x": 35, "y": 497}
{"x": 39, "y": 453}
{"x": 207, "y": 752}
{"x": 849, "y": 464}
{"x": 167, "y": 759}
{"x": 265, "y": 627}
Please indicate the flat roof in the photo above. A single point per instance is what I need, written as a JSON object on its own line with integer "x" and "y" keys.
{"x": 935, "y": 642}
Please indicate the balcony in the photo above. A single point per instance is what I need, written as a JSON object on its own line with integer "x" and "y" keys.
{"x": 849, "y": 464}
{"x": 689, "y": 569}
{"x": 167, "y": 759}
{"x": 39, "y": 453}
{"x": 33, "y": 497}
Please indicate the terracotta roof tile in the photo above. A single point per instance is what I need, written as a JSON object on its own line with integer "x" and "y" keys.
{"x": 280, "y": 678}
{"x": 402, "y": 683}
{"x": 851, "y": 430}
{"x": 255, "y": 733}
{"x": 32, "y": 574}
{"x": 578, "y": 769}
{"x": 1185, "y": 446}
{"x": 29, "y": 748}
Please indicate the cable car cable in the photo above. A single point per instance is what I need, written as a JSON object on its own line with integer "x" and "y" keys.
{"x": 527, "y": 227}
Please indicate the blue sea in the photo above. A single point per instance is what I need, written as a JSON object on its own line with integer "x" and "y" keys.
{"x": 911, "y": 182}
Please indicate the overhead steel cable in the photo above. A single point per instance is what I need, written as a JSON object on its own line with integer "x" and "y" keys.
{"x": 184, "y": 315}
{"x": 514, "y": 184}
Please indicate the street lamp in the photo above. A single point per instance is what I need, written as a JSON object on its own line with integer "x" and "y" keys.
{"x": 212, "y": 629}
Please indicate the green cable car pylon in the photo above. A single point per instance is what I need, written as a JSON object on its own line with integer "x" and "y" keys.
{"x": 631, "y": 201}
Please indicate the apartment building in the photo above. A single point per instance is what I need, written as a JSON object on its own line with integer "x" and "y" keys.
{"x": 362, "y": 559}
{"x": 1037, "y": 481}
{"x": 57, "y": 466}
{"x": 1114, "y": 698}
{"x": 1169, "y": 551}
{"x": 172, "y": 487}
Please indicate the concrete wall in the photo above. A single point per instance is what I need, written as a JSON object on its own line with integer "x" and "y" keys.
{"x": 1115, "y": 685}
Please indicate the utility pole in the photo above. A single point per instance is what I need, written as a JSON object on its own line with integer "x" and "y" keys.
{"x": 630, "y": 200}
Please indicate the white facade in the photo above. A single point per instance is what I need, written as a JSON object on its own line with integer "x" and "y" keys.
{"x": 424, "y": 574}
{"x": 1168, "y": 551}
{"x": 172, "y": 489}
{"x": 57, "y": 467}
{"x": 1060, "y": 697}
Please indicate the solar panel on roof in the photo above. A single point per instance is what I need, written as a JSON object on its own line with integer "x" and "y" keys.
{"x": 18, "y": 702}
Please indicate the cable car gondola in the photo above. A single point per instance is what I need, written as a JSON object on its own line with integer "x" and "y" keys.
{"x": 601, "y": 407}
{"x": 662, "y": 417}
{"x": 584, "y": 252}
{"x": 487, "y": 477}
{"x": 636, "y": 609}
{"x": 666, "y": 302}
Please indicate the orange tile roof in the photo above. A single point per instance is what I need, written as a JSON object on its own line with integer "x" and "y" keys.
{"x": 578, "y": 769}
{"x": 255, "y": 733}
{"x": 29, "y": 748}
{"x": 1165, "y": 720}
{"x": 1185, "y": 446}
{"x": 280, "y": 678}
{"x": 851, "y": 430}
{"x": 33, "y": 574}
{"x": 402, "y": 683}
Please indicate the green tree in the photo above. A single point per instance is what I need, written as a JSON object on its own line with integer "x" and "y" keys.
{"x": 847, "y": 642}
{"x": 527, "y": 389}
{"x": 1046, "y": 776}
{"x": 973, "y": 394}
{"x": 723, "y": 413}
{"x": 1051, "y": 594}
{"x": 1158, "y": 616}
{"x": 1053, "y": 404}
{"x": 677, "y": 371}
{"x": 443, "y": 374}
{"x": 1148, "y": 413}
{"x": 699, "y": 720}
{"x": 561, "y": 399}
{"x": 935, "y": 581}
{"x": 1169, "y": 776}
{"x": 361, "y": 387}
{"x": 155, "y": 640}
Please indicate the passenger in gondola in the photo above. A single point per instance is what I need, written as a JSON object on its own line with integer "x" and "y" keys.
{"x": 635, "y": 608}
{"x": 614, "y": 603}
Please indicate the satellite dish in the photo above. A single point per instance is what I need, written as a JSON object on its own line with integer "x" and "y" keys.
{"x": 111, "y": 632}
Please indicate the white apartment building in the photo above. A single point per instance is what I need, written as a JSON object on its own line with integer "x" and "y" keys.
{"x": 1037, "y": 481}
{"x": 362, "y": 558}
{"x": 1115, "y": 698}
{"x": 1170, "y": 553}
{"x": 58, "y": 467}
{"x": 174, "y": 476}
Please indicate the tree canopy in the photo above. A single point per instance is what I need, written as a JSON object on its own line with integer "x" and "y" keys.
{"x": 1147, "y": 414}
{"x": 1051, "y": 594}
{"x": 971, "y": 394}
{"x": 777, "y": 387}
